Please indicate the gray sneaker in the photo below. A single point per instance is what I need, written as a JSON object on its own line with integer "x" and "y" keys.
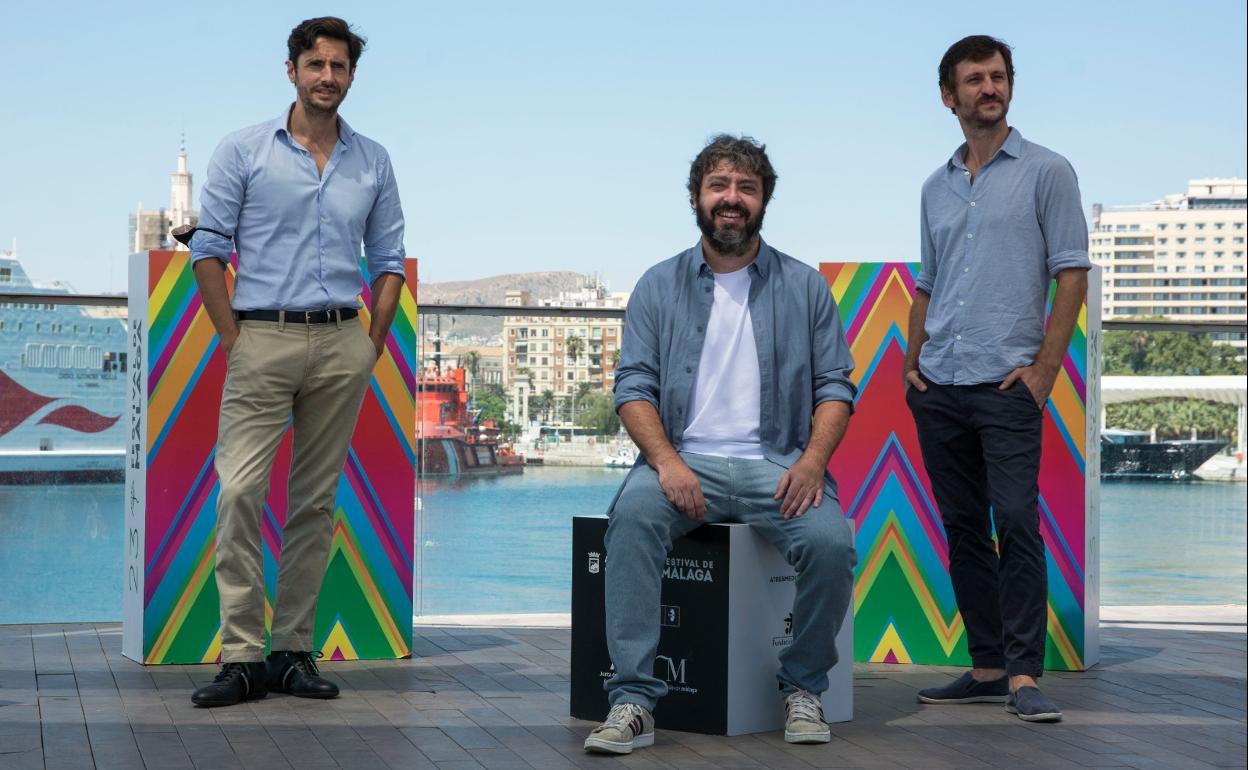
{"x": 803, "y": 719}
{"x": 628, "y": 727}
{"x": 1031, "y": 706}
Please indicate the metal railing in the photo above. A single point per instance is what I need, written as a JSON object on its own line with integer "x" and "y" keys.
{"x": 429, "y": 309}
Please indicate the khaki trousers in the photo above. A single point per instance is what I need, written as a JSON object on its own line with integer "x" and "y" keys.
{"x": 314, "y": 377}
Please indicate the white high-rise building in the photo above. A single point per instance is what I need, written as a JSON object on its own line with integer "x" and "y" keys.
{"x": 1180, "y": 258}
{"x": 152, "y": 229}
{"x": 558, "y": 353}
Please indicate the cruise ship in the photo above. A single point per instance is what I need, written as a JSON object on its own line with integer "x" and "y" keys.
{"x": 62, "y": 385}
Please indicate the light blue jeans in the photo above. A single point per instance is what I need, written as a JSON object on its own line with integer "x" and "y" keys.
{"x": 642, "y": 526}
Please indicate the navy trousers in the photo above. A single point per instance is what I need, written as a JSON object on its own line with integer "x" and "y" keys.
{"x": 981, "y": 448}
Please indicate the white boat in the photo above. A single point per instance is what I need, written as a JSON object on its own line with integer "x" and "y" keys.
{"x": 624, "y": 457}
{"x": 62, "y": 385}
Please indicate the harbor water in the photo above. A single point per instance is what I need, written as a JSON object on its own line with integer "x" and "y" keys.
{"x": 502, "y": 544}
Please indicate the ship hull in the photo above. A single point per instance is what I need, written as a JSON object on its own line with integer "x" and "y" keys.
{"x": 1162, "y": 461}
{"x": 455, "y": 458}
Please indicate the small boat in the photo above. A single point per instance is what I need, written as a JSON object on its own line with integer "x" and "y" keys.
{"x": 624, "y": 457}
{"x": 1132, "y": 454}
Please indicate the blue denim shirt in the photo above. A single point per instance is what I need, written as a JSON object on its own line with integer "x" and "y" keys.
{"x": 989, "y": 251}
{"x": 803, "y": 359}
{"x": 297, "y": 232}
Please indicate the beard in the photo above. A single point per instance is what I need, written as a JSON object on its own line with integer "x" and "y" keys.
{"x": 981, "y": 121}
{"x": 313, "y": 107}
{"x": 729, "y": 241}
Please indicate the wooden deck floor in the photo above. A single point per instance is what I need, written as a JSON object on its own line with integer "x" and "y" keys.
{"x": 1167, "y": 695}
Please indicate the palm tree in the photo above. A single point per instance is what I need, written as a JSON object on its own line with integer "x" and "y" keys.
{"x": 472, "y": 362}
{"x": 583, "y": 389}
{"x": 576, "y": 346}
{"x": 546, "y": 402}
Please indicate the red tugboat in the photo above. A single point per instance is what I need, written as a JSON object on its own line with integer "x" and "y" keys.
{"x": 451, "y": 443}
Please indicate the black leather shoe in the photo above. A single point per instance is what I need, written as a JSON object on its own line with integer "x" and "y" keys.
{"x": 296, "y": 673}
{"x": 237, "y": 682}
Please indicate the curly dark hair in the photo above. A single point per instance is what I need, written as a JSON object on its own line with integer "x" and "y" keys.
{"x": 743, "y": 153}
{"x": 304, "y": 36}
{"x": 974, "y": 48}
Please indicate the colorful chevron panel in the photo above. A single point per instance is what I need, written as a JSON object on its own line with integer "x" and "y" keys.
{"x": 904, "y": 607}
{"x": 170, "y": 606}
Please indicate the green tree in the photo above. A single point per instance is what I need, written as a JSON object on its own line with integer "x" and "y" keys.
{"x": 472, "y": 362}
{"x": 583, "y": 391}
{"x": 576, "y": 346}
{"x": 1143, "y": 353}
{"x": 542, "y": 404}
{"x": 1174, "y": 418}
{"x": 1161, "y": 353}
{"x": 598, "y": 412}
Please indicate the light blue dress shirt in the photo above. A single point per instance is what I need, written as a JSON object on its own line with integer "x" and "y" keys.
{"x": 989, "y": 252}
{"x": 297, "y": 232}
{"x": 803, "y": 359}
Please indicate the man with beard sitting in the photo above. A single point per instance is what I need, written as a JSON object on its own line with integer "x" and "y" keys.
{"x": 734, "y": 383}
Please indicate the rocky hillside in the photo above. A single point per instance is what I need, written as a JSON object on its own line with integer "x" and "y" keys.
{"x": 491, "y": 291}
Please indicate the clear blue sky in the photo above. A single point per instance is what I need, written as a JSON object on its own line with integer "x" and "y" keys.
{"x": 557, "y": 135}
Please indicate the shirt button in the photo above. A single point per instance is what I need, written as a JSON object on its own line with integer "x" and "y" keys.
{"x": 966, "y": 270}
{"x": 688, "y": 370}
{"x": 957, "y": 336}
{"x": 972, "y": 204}
{"x": 960, "y": 303}
{"x": 970, "y": 236}
{"x": 699, "y": 328}
{"x": 708, "y": 289}
{"x": 966, "y": 173}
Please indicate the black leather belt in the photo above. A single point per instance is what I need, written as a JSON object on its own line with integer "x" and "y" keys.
{"x": 300, "y": 316}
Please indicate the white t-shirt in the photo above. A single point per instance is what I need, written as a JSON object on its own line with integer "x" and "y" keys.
{"x": 724, "y": 413}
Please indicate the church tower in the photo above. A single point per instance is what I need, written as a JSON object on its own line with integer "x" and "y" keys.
{"x": 180, "y": 210}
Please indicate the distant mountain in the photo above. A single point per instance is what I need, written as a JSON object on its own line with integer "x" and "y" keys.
{"x": 492, "y": 291}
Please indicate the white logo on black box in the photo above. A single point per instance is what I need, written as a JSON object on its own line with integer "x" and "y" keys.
{"x": 670, "y": 616}
{"x": 593, "y": 562}
{"x": 675, "y": 673}
{"x": 697, "y": 570}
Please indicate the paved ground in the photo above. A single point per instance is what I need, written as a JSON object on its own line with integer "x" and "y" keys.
{"x": 1169, "y": 693}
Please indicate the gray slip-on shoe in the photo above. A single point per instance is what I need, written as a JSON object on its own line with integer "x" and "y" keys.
{"x": 965, "y": 689}
{"x": 1032, "y": 706}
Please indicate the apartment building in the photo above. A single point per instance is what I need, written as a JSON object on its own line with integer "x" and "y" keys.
{"x": 558, "y": 353}
{"x": 1181, "y": 257}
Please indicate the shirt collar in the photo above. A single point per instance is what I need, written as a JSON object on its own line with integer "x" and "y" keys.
{"x": 345, "y": 132}
{"x": 761, "y": 264}
{"x": 1012, "y": 146}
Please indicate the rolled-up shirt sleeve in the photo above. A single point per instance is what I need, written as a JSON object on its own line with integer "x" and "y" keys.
{"x": 383, "y": 232}
{"x": 220, "y": 202}
{"x": 1060, "y": 212}
{"x": 926, "y": 279}
{"x": 637, "y": 376}
{"x": 831, "y": 363}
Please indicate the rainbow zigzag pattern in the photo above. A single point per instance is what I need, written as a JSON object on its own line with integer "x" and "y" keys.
{"x": 365, "y": 606}
{"x": 904, "y": 608}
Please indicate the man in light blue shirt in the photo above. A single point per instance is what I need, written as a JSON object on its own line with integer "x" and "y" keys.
{"x": 734, "y": 383}
{"x": 295, "y": 197}
{"x": 1001, "y": 219}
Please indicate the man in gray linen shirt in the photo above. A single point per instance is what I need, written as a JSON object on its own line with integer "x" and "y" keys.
{"x": 734, "y": 382}
{"x": 1000, "y": 220}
